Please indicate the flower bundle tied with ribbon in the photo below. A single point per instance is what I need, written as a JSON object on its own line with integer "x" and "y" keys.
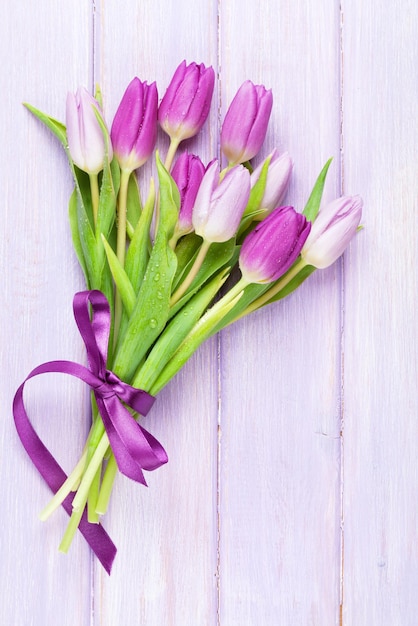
{"x": 156, "y": 271}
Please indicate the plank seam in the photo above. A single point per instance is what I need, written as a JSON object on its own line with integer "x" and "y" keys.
{"x": 342, "y": 317}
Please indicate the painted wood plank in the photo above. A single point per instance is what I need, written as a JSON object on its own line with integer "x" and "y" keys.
{"x": 45, "y": 51}
{"x": 167, "y": 534}
{"x": 248, "y": 532}
{"x": 380, "y": 416}
{"x": 280, "y": 370}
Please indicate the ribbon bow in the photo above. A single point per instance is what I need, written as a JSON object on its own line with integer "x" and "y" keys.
{"x": 134, "y": 448}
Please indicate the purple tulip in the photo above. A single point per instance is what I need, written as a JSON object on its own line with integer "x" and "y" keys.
{"x": 86, "y": 143}
{"x": 187, "y": 173}
{"x": 245, "y": 123}
{"x": 219, "y": 204}
{"x": 273, "y": 246}
{"x": 186, "y": 103}
{"x": 134, "y": 128}
{"x": 278, "y": 176}
{"x": 332, "y": 231}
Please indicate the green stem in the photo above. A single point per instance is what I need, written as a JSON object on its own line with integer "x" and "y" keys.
{"x": 71, "y": 530}
{"x": 92, "y": 498}
{"x": 94, "y": 189}
{"x": 173, "y": 241}
{"x": 66, "y": 488}
{"x": 270, "y": 293}
{"x": 174, "y": 144}
{"x": 106, "y": 487}
{"x": 80, "y": 498}
{"x": 199, "y": 333}
{"x": 192, "y": 274}
{"x": 226, "y": 299}
{"x": 96, "y": 431}
{"x": 172, "y": 149}
{"x": 121, "y": 240}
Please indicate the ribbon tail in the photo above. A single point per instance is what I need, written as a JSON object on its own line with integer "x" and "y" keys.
{"x": 54, "y": 476}
{"x": 134, "y": 448}
{"x": 95, "y": 535}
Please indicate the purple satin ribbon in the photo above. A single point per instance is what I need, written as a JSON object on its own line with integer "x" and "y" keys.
{"x": 134, "y": 448}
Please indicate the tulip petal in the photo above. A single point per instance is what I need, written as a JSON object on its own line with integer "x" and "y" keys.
{"x": 273, "y": 246}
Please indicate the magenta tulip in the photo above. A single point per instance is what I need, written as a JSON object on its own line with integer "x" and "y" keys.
{"x": 134, "y": 128}
{"x": 86, "y": 142}
{"x": 332, "y": 231}
{"x": 187, "y": 173}
{"x": 245, "y": 123}
{"x": 186, "y": 103}
{"x": 273, "y": 246}
{"x": 220, "y": 205}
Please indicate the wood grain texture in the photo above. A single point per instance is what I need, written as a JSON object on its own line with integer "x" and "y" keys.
{"x": 243, "y": 525}
{"x": 280, "y": 444}
{"x": 44, "y": 52}
{"x": 166, "y": 535}
{"x": 380, "y": 346}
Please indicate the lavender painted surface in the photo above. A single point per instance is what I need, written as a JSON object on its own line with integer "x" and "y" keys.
{"x": 291, "y": 495}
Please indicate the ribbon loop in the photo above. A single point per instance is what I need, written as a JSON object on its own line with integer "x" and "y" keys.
{"x": 134, "y": 448}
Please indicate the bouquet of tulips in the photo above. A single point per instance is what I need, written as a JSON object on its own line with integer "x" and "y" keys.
{"x": 206, "y": 246}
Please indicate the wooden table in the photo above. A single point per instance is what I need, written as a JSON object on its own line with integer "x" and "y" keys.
{"x": 291, "y": 495}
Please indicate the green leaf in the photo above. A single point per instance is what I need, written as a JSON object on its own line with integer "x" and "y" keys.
{"x": 169, "y": 200}
{"x": 87, "y": 243}
{"x": 218, "y": 256}
{"x": 54, "y": 125}
{"x": 254, "y": 291}
{"x": 138, "y": 254}
{"x": 133, "y": 203}
{"x": 72, "y": 213}
{"x": 251, "y": 293}
{"x": 109, "y": 186}
{"x": 121, "y": 279}
{"x": 107, "y": 200}
{"x": 200, "y": 332}
{"x": 257, "y": 192}
{"x": 73, "y": 218}
{"x": 186, "y": 251}
{"x": 176, "y": 332}
{"x": 106, "y": 214}
{"x": 151, "y": 310}
{"x": 248, "y": 224}
{"x": 312, "y": 206}
{"x": 87, "y": 237}
{"x": 293, "y": 284}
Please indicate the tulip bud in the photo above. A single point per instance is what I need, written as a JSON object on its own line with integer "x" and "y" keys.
{"x": 219, "y": 205}
{"x": 186, "y": 103}
{"x": 86, "y": 143}
{"x": 134, "y": 128}
{"x": 245, "y": 123}
{"x": 187, "y": 173}
{"x": 273, "y": 246}
{"x": 278, "y": 176}
{"x": 332, "y": 231}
